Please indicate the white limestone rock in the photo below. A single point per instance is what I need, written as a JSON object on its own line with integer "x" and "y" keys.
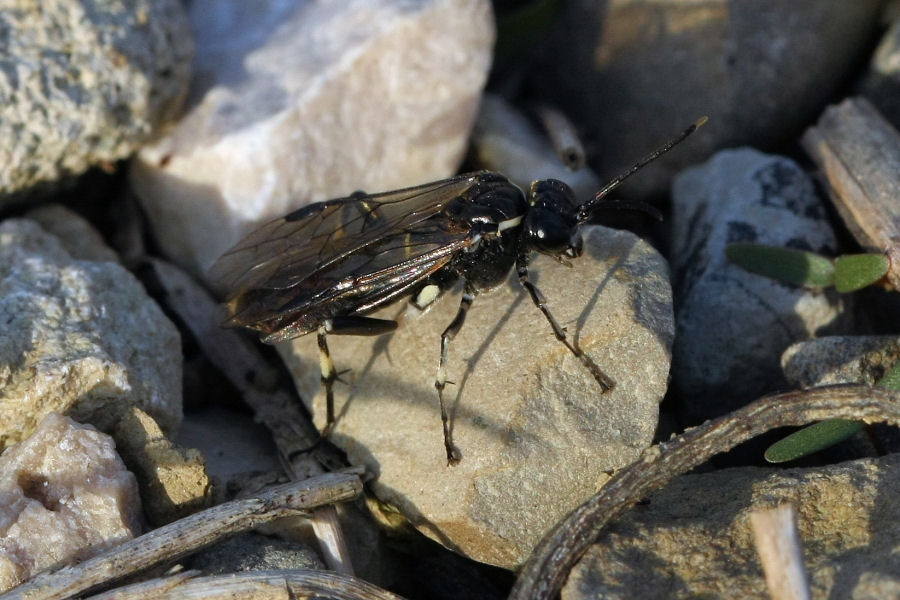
{"x": 302, "y": 101}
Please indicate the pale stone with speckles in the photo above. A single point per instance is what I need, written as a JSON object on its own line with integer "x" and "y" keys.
{"x": 536, "y": 435}
{"x": 85, "y": 83}
{"x": 79, "y": 337}
{"x": 732, "y": 325}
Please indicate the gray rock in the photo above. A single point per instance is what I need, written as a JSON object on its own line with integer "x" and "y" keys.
{"x": 634, "y": 72}
{"x": 536, "y": 435}
{"x": 733, "y": 325}
{"x": 303, "y": 101}
{"x": 254, "y": 552}
{"x": 840, "y": 359}
{"x": 847, "y": 359}
{"x": 79, "y": 337}
{"x": 693, "y": 539}
{"x": 64, "y": 496}
{"x": 77, "y": 235}
{"x": 84, "y": 83}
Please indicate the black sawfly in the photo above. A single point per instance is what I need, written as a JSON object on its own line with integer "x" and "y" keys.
{"x": 325, "y": 266}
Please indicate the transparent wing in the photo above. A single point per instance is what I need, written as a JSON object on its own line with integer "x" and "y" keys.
{"x": 299, "y": 246}
{"x": 356, "y": 284}
{"x": 344, "y": 256}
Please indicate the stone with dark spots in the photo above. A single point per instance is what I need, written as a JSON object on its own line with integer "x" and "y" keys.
{"x": 732, "y": 325}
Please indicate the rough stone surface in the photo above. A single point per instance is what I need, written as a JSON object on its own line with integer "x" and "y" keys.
{"x": 308, "y": 101}
{"x": 173, "y": 480}
{"x": 76, "y": 234}
{"x": 64, "y": 496}
{"x": 638, "y": 71}
{"x": 536, "y": 435}
{"x": 840, "y": 359}
{"x": 847, "y": 359}
{"x": 85, "y": 82}
{"x": 693, "y": 538}
{"x": 79, "y": 337}
{"x": 733, "y": 325}
{"x": 254, "y": 552}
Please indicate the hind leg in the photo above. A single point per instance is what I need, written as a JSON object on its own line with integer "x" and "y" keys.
{"x": 440, "y": 381}
{"x": 342, "y": 326}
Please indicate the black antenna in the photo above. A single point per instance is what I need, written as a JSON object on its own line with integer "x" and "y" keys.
{"x": 585, "y": 209}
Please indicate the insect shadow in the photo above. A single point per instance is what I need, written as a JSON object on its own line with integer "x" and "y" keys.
{"x": 619, "y": 263}
{"x": 380, "y": 350}
{"x": 476, "y": 356}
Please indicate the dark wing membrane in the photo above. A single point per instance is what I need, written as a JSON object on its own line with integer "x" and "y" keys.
{"x": 361, "y": 282}
{"x": 307, "y": 242}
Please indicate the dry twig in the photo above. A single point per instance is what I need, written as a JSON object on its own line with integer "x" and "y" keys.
{"x": 778, "y": 546}
{"x": 504, "y": 140}
{"x": 563, "y": 136}
{"x": 545, "y": 572}
{"x": 235, "y": 357}
{"x": 253, "y": 585}
{"x": 182, "y": 537}
{"x": 858, "y": 152}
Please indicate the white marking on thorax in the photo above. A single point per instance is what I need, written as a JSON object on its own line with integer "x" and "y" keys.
{"x": 509, "y": 223}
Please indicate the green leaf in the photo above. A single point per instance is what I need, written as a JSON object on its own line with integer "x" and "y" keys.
{"x": 784, "y": 264}
{"x": 813, "y": 438}
{"x": 891, "y": 381}
{"x": 819, "y": 436}
{"x": 856, "y": 271}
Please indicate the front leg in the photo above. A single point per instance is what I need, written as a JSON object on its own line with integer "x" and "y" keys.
{"x": 602, "y": 378}
{"x": 440, "y": 381}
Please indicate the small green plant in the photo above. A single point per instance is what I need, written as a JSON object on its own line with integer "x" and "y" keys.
{"x": 847, "y": 274}
{"x": 824, "y": 434}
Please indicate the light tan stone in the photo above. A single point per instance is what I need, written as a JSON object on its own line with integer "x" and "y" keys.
{"x": 173, "y": 480}
{"x": 693, "y": 539}
{"x": 536, "y": 435}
